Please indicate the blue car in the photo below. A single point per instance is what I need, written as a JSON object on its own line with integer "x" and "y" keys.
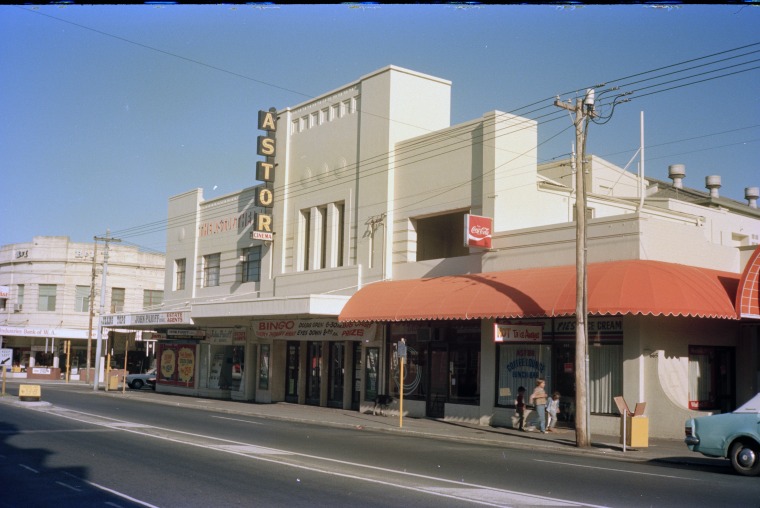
{"x": 735, "y": 436}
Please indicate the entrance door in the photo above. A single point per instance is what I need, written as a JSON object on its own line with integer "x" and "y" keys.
{"x": 356, "y": 385}
{"x": 291, "y": 372}
{"x": 439, "y": 380}
{"x": 314, "y": 373}
{"x": 336, "y": 374}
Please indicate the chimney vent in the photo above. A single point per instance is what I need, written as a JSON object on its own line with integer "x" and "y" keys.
{"x": 712, "y": 182}
{"x": 677, "y": 172}
{"x": 751, "y": 194}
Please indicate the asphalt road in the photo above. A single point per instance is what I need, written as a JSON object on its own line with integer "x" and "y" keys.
{"x": 88, "y": 450}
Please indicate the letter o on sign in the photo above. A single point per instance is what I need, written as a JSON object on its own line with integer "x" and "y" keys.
{"x": 265, "y": 197}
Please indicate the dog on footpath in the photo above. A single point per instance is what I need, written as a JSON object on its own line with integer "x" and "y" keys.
{"x": 382, "y": 402}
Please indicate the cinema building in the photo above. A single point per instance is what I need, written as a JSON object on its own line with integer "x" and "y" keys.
{"x": 301, "y": 288}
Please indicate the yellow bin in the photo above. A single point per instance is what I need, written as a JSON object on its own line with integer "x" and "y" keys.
{"x": 636, "y": 431}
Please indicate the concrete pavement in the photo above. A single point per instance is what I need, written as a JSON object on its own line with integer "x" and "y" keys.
{"x": 672, "y": 451}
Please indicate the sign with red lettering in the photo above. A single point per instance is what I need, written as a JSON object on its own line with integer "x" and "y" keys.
{"x": 477, "y": 231}
{"x": 312, "y": 329}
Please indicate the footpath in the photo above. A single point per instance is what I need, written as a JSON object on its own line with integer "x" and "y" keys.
{"x": 672, "y": 451}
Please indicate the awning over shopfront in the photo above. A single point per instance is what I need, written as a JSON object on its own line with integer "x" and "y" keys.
{"x": 748, "y": 294}
{"x": 614, "y": 288}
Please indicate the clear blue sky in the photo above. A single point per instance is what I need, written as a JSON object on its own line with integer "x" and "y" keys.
{"x": 108, "y": 111}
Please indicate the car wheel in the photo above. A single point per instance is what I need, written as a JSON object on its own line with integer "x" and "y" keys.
{"x": 137, "y": 384}
{"x": 745, "y": 458}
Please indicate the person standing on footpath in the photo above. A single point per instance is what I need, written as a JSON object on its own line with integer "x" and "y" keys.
{"x": 538, "y": 399}
{"x": 520, "y": 407}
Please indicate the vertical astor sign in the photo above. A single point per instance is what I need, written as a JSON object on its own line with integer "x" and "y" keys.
{"x": 477, "y": 231}
{"x": 267, "y": 147}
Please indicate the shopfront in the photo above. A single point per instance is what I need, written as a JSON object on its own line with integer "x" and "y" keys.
{"x": 322, "y": 360}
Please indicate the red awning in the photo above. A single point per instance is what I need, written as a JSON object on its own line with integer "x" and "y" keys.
{"x": 748, "y": 292}
{"x": 614, "y": 288}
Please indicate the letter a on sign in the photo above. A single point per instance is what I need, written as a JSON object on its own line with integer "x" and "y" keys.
{"x": 267, "y": 121}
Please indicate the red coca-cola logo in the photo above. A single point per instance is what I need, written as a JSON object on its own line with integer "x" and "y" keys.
{"x": 480, "y": 231}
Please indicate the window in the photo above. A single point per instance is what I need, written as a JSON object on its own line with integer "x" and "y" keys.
{"x": 82, "y": 303}
{"x": 152, "y": 298}
{"x": 180, "y": 268}
{"x": 252, "y": 264}
{"x": 117, "y": 299}
{"x": 520, "y": 365}
{"x": 334, "y": 111}
{"x": 46, "y": 300}
{"x": 306, "y": 238}
{"x": 322, "y": 210}
{"x": 211, "y": 267}
{"x": 340, "y": 209}
{"x": 441, "y": 236}
{"x": 20, "y": 296}
{"x": 712, "y": 377}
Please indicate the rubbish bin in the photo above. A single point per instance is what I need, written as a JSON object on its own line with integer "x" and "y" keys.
{"x": 113, "y": 383}
{"x": 636, "y": 431}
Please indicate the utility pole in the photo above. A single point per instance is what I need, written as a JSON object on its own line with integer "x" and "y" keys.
{"x": 92, "y": 310}
{"x": 584, "y": 110}
{"x": 99, "y": 346}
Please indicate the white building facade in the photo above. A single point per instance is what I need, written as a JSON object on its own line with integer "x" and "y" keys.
{"x": 300, "y": 289}
{"x": 48, "y": 288}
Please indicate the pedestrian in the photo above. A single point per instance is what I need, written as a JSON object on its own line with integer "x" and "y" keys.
{"x": 520, "y": 408}
{"x": 538, "y": 400}
{"x": 552, "y": 409}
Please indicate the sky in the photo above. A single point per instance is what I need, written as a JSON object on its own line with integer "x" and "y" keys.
{"x": 108, "y": 111}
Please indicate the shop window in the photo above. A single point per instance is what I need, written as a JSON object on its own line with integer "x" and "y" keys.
{"x": 440, "y": 237}
{"x": 252, "y": 264}
{"x": 82, "y": 299}
{"x": 372, "y": 373}
{"x": 712, "y": 378}
{"x": 211, "y": 268}
{"x": 46, "y": 301}
{"x": 117, "y": 300}
{"x": 520, "y": 365}
{"x": 464, "y": 360}
{"x": 264, "y": 367}
{"x": 152, "y": 298}
{"x": 180, "y": 269}
{"x": 605, "y": 377}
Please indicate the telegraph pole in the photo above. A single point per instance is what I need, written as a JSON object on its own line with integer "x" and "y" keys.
{"x": 584, "y": 110}
{"x": 92, "y": 310}
{"x": 99, "y": 346}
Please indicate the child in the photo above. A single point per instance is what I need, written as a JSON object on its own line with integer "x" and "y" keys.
{"x": 552, "y": 408}
{"x": 520, "y": 405}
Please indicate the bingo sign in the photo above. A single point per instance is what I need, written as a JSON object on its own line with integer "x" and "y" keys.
{"x": 477, "y": 231}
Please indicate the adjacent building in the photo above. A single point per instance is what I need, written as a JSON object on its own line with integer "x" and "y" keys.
{"x": 50, "y": 293}
{"x": 302, "y": 288}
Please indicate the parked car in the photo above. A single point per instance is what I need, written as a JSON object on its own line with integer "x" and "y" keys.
{"x": 137, "y": 381}
{"x": 735, "y": 436}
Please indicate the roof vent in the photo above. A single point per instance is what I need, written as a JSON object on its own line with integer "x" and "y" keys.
{"x": 712, "y": 182}
{"x": 751, "y": 194}
{"x": 677, "y": 172}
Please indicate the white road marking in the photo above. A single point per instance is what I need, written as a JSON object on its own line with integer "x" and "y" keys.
{"x": 618, "y": 470}
{"x": 465, "y": 492}
{"x": 237, "y": 420}
{"x": 114, "y": 492}
{"x": 29, "y": 468}
{"x": 70, "y": 487}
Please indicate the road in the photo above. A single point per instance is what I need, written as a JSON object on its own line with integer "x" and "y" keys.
{"x": 85, "y": 449}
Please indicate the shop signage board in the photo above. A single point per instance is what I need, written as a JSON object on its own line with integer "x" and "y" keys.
{"x": 6, "y": 355}
{"x": 478, "y": 231}
{"x": 321, "y": 329}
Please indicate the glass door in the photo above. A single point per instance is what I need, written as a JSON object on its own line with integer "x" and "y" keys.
{"x": 291, "y": 374}
{"x": 336, "y": 374}
{"x": 439, "y": 380}
{"x": 314, "y": 373}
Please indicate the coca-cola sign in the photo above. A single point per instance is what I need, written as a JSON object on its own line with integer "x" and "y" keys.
{"x": 477, "y": 231}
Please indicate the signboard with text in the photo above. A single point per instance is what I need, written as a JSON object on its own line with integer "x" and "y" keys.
{"x": 478, "y": 231}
